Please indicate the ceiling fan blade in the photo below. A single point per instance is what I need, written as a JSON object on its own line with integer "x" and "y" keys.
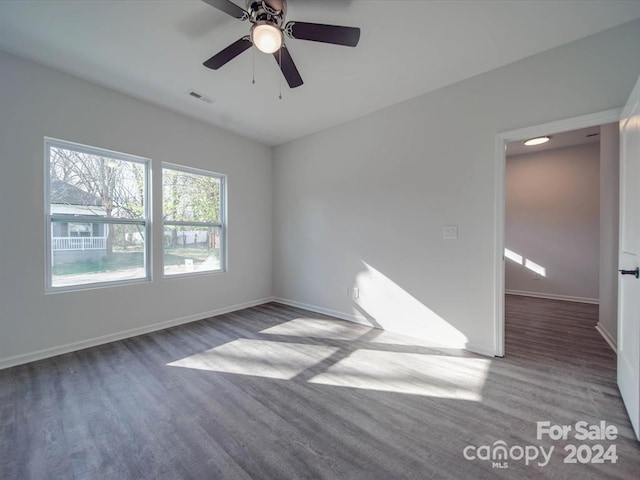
{"x": 318, "y": 32}
{"x": 229, "y": 8}
{"x": 229, "y": 53}
{"x": 287, "y": 66}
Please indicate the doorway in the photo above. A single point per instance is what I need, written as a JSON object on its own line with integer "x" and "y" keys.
{"x": 554, "y": 128}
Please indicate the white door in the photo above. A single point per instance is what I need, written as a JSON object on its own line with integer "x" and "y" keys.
{"x": 629, "y": 260}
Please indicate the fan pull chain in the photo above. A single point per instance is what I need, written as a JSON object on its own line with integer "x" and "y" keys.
{"x": 280, "y": 76}
{"x": 253, "y": 66}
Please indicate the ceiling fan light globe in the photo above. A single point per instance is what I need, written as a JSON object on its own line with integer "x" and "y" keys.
{"x": 266, "y": 37}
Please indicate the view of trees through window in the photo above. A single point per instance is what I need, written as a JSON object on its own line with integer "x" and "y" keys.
{"x": 192, "y": 217}
{"x": 97, "y": 215}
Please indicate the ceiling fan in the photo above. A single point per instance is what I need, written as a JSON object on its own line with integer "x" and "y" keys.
{"x": 267, "y": 34}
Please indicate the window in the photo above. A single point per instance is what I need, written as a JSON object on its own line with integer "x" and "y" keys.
{"x": 193, "y": 220}
{"x": 97, "y": 214}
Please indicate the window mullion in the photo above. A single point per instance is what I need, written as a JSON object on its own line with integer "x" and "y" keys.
{"x": 177, "y": 223}
{"x": 91, "y": 219}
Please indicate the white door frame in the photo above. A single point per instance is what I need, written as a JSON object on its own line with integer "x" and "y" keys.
{"x": 584, "y": 121}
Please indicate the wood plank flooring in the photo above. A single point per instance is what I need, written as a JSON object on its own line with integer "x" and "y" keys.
{"x": 274, "y": 392}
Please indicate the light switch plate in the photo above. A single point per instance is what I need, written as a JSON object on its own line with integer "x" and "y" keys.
{"x": 450, "y": 232}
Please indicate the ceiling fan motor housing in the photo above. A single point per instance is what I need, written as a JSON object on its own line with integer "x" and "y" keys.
{"x": 260, "y": 11}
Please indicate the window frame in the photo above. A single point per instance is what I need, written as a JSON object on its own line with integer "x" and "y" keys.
{"x": 50, "y": 219}
{"x": 222, "y": 224}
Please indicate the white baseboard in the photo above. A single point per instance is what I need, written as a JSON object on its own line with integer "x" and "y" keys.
{"x": 553, "y": 296}
{"x": 112, "y": 337}
{"x": 325, "y": 311}
{"x": 607, "y": 336}
{"x": 479, "y": 349}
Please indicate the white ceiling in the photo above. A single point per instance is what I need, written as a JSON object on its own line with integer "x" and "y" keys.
{"x": 154, "y": 50}
{"x": 558, "y": 140}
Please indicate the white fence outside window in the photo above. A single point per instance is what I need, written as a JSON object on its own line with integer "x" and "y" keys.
{"x": 79, "y": 243}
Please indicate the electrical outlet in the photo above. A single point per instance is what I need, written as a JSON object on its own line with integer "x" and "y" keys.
{"x": 353, "y": 292}
{"x": 536, "y": 276}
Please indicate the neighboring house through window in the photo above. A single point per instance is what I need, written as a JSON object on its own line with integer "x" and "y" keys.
{"x": 97, "y": 216}
{"x": 66, "y": 199}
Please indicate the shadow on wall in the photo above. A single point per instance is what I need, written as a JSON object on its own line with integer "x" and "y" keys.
{"x": 384, "y": 304}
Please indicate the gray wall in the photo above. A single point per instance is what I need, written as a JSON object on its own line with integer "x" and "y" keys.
{"x": 36, "y": 101}
{"x": 359, "y": 205}
{"x": 609, "y": 214}
{"x": 364, "y": 203}
{"x": 553, "y": 219}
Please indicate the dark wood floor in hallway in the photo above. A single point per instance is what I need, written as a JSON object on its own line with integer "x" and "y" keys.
{"x": 275, "y": 392}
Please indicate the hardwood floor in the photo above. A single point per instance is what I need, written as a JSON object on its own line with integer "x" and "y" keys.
{"x": 274, "y": 392}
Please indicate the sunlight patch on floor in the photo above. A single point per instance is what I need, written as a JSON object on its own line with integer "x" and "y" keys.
{"x": 260, "y": 358}
{"x": 364, "y": 366}
{"x": 318, "y": 328}
{"x": 348, "y": 331}
{"x": 429, "y": 375}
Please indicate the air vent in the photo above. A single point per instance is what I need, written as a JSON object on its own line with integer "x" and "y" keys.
{"x": 200, "y": 96}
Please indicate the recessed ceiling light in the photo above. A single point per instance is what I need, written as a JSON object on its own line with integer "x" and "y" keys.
{"x": 537, "y": 141}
